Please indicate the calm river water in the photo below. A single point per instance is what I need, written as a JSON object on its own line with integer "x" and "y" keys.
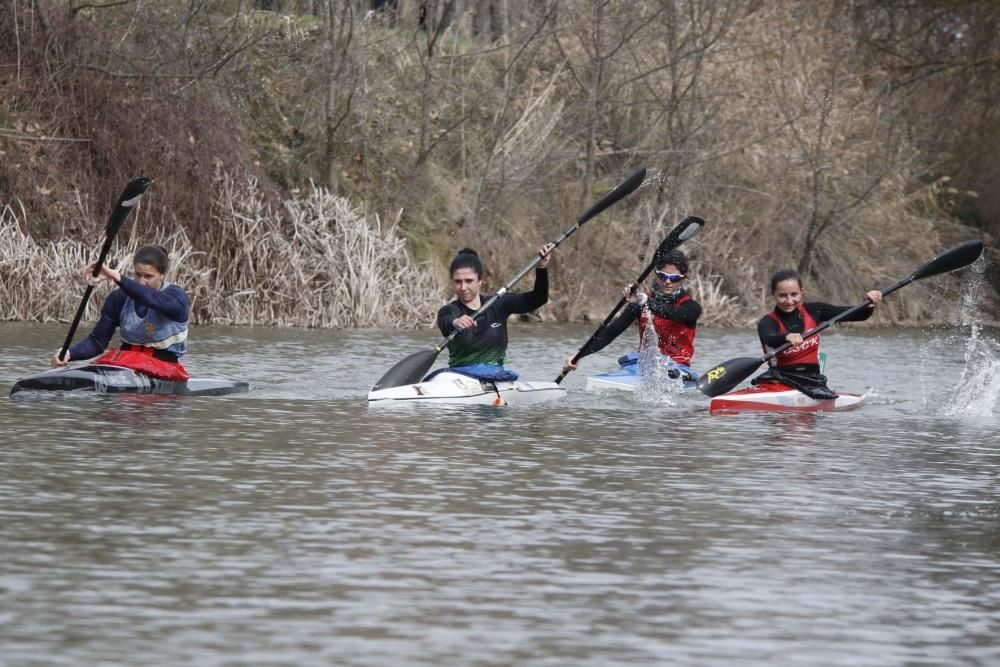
{"x": 296, "y": 526}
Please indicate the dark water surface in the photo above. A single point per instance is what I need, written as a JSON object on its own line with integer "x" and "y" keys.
{"x": 297, "y": 526}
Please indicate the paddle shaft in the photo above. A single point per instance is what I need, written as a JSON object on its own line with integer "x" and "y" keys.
{"x": 105, "y": 249}
{"x": 126, "y": 204}
{"x": 607, "y": 320}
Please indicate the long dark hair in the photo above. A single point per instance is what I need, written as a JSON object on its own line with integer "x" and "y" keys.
{"x": 467, "y": 258}
{"x": 153, "y": 255}
{"x": 785, "y": 274}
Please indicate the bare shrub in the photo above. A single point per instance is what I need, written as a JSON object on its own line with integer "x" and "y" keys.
{"x": 324, "y": 265}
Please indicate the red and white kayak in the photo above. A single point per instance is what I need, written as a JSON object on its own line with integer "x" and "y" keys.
{"x": 781, "y": 398}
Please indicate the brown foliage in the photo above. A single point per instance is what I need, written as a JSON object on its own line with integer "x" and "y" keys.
{"x": 845, "y": 139}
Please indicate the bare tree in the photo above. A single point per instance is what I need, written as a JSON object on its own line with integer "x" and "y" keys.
{"x": 338, "y": 34}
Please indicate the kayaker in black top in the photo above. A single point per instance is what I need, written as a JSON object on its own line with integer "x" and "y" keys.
{"x": 483, "y": 340}
{"x": 799, "y": 366}
{"x": 671, "y": 310}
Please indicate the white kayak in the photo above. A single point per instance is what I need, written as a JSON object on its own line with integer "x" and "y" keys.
{"x": 630, "y": 374}
{"x": 781, "y": 398}
{"x": 458, "y": 389}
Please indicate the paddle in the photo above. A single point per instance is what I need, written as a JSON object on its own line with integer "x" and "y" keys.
{"x": 727, "y": 375}
{"x": 414, "y": 367}
{"x": 134, "y": 191}
{"x": 685, "y": 229}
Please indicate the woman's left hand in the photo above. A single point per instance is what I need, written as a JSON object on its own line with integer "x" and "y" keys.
{"x": 545, "y": 252}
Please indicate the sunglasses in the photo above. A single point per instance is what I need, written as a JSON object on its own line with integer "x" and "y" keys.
{"x": 670, "y": 277}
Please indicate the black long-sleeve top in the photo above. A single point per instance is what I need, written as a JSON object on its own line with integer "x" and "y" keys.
{"x": 770, "y": 333}
{"x": 486, "y": 343}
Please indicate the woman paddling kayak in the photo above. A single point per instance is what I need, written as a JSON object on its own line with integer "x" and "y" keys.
{"x": 480, "y": 349}
{"x": 668, "y": 308}
{"x": 798, "y": 366}
{"x": 151, "y": 315}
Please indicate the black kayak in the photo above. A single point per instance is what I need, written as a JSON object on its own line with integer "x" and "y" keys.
{"x": 117, "y": 380}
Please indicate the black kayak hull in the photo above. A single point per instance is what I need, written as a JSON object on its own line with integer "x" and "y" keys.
{"x": 117, "y": 380}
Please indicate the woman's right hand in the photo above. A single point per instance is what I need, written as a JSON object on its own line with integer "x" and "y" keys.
{"x": 59, "y": 363}
{"x": 462, "y": 323}
{"x": 633, "y": 294}
{"x": 106, "y": 273}
{"x": 794, "y": 338}
{"x": 569, "y": 364}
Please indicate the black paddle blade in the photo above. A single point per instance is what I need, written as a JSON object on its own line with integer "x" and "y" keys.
{"x": 133, "y": 192}
{"x": 685, "y": 229}
{"x": 626, "y": 187}
{"x": 408, "y": 371}
{"x": 727, "y": 375}
{"x": 954, "y": 258}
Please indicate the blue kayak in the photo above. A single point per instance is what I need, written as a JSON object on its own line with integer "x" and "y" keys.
{"x": 632, "y": 371}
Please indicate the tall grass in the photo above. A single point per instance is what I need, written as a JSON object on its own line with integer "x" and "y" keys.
{"x": 318, "y": 263}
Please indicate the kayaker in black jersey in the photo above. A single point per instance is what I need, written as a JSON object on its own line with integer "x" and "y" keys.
{"x": 150, "y": 313}
{"x": 480, "y": 350}
{"x": 668, "y": 307}
{"x": 799, "y": 365}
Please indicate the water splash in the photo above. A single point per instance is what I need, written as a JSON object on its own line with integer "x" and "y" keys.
{"x": 978, "y": 391}
{"x": 654, "y": 177}
{"x": 655, "y": 384}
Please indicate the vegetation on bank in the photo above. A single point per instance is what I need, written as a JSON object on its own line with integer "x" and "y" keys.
{"x": 292, "y": 150}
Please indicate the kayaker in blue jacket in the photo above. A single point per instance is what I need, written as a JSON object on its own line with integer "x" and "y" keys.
{"x": 799, "y": 365}
{"x": 150, "y": 313}
{"x": 480, "y": 349}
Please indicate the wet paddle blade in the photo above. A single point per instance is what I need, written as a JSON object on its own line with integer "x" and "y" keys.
{"x": 410, "y": 370}
{"x": 685, "y": 229}
{"x": 620, "y": 191}
{"x": 727, "y": 375}
{"x": 129, "y": 199}
{"x": 954, "y": 258}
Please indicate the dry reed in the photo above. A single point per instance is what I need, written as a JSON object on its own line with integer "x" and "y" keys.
{"x": 321, "y": 263}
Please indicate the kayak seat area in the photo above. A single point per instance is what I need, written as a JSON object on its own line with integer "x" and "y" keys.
{"x": 630, "y": 362}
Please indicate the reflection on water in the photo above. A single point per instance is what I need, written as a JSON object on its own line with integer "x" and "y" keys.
{"x": 296, "y": 525}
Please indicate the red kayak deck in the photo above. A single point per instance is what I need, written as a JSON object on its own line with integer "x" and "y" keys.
{"x": 781, "y": 398}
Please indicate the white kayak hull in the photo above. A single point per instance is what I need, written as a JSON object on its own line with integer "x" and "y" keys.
{"x": 457, "y": 389}
{"x": 781, "y": 398}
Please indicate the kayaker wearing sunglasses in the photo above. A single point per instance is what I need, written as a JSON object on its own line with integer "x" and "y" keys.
{"x": 481, "y": 349}
{"x": 670, "y": 310}
{"x": 150, "y": 313}
{"x": 799, "y": 365}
